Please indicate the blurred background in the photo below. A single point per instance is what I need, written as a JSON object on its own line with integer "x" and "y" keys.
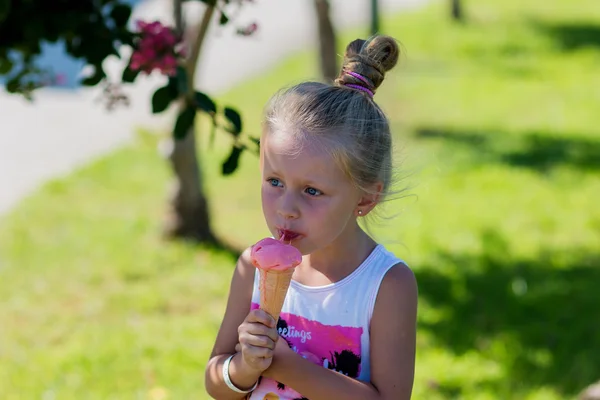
{"x": 129, "y": 184}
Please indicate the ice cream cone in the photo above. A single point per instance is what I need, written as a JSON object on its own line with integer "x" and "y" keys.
{"x": 273, "y": 289}
{"x": 276, "y": 262}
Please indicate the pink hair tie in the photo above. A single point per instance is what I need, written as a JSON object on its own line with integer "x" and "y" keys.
{"x": 359, "y": 76}
{"x": 360, "y": 87}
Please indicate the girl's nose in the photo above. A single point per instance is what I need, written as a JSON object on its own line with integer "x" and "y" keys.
{"x": 287, "y": 207}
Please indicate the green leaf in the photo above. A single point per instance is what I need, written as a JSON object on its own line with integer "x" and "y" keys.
{"x": 4, "y": 9}
{"x": 224, "y": 19}
{"x": 181, "y": 80}
{"x": 205, "y": 103}
{"x": 94, "y": 79}
{"x": 129, "y": 75}
{"x": 213, "y": 131}
{"x": 234, "y": 117}
{"x": 13, "y": 85}
{"x": 231, "y": 164}
{"x": 185, "y": 121}
{"x": 207, "y": 2}
{"x": 162, "y": 98}
{"x": 126, "y": 37}
{"x": 120, "y": 14}
{"x": 256, "y": 141}
{"x": 5, "y": 65}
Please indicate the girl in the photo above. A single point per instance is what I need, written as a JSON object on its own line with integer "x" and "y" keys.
{"x": 347, "y": 327}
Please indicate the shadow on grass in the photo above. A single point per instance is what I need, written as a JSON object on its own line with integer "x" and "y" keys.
{"x": 216, "y": 244}
{"x": 539, "y": 151}
{"x": 544, "y": 311}
{"x": 572, "y": 36}
{"x": 223, "y": 246}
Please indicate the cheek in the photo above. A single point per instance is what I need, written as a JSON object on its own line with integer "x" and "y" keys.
{"x": 322, "y": 214}
{"x": 268, "y": 200}
{"x": 266, "y": 193}
{"x": 334, "y": 215}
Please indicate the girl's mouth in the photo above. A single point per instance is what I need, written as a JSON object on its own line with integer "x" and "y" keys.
{"x": 287, "y": 236}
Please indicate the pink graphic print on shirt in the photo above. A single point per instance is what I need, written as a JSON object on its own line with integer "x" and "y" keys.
{"x": 333, "y": 347}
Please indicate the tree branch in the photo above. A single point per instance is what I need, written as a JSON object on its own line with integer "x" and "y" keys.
{"x": 192, "y": 60}
{"x": 178, "y": 16}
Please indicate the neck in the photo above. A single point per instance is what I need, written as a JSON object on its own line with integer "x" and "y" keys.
{"x": 342, "y": 256}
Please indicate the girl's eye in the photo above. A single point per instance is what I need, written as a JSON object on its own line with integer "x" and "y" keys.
{"x": 313, "y": 192}
{"x": 274, "y": 182}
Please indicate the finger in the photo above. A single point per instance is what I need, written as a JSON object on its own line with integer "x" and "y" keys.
{"x": 258, "y": 329}
{"x": 257, "y": 352}
{"x": 238, "y": 348}
{"x": 263, "y": 317}
{"x": 257, "y": 340}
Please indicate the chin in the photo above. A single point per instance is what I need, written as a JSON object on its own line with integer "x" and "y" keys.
{"x": 300, "y": 244}
{"x": 305, "y": 247}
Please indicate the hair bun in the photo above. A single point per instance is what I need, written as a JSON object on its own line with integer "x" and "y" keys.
{"x": 371, "y": 58}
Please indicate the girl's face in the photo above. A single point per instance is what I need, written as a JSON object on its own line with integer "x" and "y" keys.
{"x": 306, "y": 197}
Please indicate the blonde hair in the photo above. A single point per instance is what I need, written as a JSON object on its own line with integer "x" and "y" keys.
{"x": 344, "y": 119}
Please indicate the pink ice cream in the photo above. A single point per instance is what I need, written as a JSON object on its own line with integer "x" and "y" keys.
{"x": 272, "y": 255}
{"x": 276, "y": 262}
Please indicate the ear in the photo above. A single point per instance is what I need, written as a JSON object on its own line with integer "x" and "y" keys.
{"x": 369, "y": 200}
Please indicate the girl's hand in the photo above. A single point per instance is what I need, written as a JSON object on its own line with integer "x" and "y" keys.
{"x": 281, "y": 348}
{"x": 257, "y": 336}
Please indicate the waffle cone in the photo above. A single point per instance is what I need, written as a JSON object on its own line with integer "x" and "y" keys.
{"x": 273, "y": 289}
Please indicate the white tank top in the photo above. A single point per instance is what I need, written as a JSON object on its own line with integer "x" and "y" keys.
{"x": 329, "y": 325}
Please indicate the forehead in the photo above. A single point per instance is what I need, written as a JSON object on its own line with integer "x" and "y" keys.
{"x": 303, "y": 158}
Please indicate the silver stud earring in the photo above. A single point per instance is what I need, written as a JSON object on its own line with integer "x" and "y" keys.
{"x": 359, "y": 212}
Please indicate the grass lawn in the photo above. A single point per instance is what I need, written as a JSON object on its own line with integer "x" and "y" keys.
{"x": 497, "y": 133}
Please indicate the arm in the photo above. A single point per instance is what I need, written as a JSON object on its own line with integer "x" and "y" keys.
{"x": 393, "y": 341}
{"x": 238, "y": 306}
{"x": 393, "y": 334}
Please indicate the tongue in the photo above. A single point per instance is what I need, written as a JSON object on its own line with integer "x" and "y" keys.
{"x": 287, "y": 236}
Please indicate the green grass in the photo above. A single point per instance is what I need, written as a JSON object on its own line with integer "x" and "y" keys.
{"x": 496, "y": 127}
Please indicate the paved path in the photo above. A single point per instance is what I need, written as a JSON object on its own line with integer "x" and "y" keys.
{"x": 64, "y": 129}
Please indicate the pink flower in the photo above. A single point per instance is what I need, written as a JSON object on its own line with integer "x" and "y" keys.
{"x": 148, "y": 54}
{"x": 157, "y": 48}
{"x": 137, "y": 60}
{"x": 248, "y": 30}
{"x": 169, "y": 61}
{"x": 168, "y": 39}
{"x": 140, "y": 25}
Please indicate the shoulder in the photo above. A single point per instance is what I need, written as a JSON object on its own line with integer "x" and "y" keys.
{"x": 398, "y": 289}
{"x": 242, "y": 278}
{"x": 244, "y": 269}
{"x": 245, "y": 260}
{"x": 399, "y": 277}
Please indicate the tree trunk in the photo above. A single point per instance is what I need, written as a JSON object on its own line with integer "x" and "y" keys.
{"x": 188, "y": 215}
{"x": 327, "y": 41}
{"x": 457, "y": 11}
{"x": 374, "y": 17}
{"x": 188, "y": 212}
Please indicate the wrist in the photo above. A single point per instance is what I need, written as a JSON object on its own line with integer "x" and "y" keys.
{"x": 241, "y": 375}
{"x": 280, "y": 363}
